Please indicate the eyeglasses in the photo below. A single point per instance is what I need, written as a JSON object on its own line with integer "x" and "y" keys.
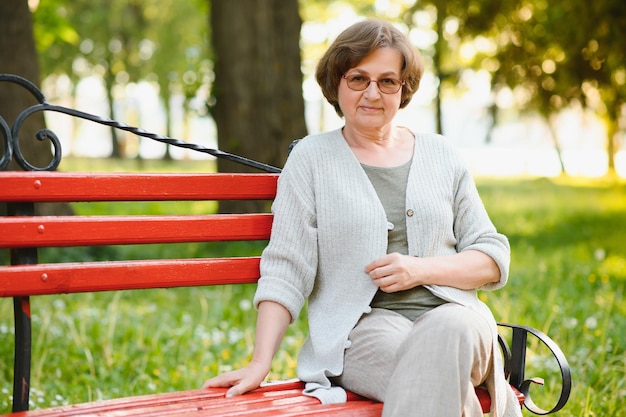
{"x": 385, "y": 85}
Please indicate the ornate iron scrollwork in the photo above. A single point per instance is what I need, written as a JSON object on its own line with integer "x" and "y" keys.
{"x": 11, "y": 135}
{"x": 515, "y": 363}
{"x": 7, "y": 154}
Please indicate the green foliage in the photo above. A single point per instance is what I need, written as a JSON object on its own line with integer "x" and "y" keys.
{"x": 164, "y": 42}
{"x": 135, "y": 37}
{"x": 568, "y": 277}
{"x": 55, "y": 35}
{"x": 53, "y": 26}
{"x": 558, "y": 56}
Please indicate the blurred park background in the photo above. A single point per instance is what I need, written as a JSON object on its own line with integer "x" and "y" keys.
{"x": 531, "y": 92}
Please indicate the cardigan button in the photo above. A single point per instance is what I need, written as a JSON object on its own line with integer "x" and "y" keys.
{"x": 410, "y": 213}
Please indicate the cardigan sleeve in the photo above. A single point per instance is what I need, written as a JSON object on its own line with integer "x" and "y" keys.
{"x": 289, "y": 262}
{"x": 474, "y": 229}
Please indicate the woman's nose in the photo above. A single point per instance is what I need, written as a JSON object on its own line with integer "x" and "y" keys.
{"x": 372, "y": 89}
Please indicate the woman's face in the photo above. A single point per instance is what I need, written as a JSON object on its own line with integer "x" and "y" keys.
{"x": 371, "y": 108}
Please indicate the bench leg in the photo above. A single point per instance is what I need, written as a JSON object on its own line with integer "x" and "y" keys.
{"x": 21, "y": 375}
{"x": 21, "y": 314}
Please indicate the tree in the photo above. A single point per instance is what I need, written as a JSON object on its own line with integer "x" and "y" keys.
{"x": 259, "y": 106}
{"x": 18, "y": 56}
{"x": 258, "y": 81}
{"x": 451, "y": 22}
{"x": 569, "y": 54}
{"x": 123, "y": 42}
{"x": 181, "y": 61}
{"x": 108, "y": 44}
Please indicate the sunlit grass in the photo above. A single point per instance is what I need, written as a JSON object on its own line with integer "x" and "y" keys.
{"x": 568, "y": 276}
{"x": 73, "y": 164}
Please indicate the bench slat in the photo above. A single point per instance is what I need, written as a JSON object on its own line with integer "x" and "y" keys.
{"x": 258, "y": 404}
{"x": 63, "y": 186}
{"x": 48, "y": 231}
{"x": 124, "y": 403}
{"x": 66, "y": 278}
{"x": 280, "y": 398}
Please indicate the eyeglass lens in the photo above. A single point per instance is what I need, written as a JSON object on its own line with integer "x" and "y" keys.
{"x": 385, "y": 85}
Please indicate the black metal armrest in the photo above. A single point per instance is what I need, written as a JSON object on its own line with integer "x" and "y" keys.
{"x": 515, "y": 362}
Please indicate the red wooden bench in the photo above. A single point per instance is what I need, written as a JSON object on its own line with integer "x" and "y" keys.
{"x": 24, "y": 233}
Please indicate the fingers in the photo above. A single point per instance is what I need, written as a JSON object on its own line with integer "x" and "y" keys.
{"x": 376, "y": 263}
{"x": 233, "y": 392}
{"x": 384, "y": 263}
{"x": 392, "y": 272}
{"x": 384, "y": 266}
{"x": 234, "y": 385}
{"x": 240, "y": 389}
{"x": 222, "y": 381}
{"x": 238, "y": 382}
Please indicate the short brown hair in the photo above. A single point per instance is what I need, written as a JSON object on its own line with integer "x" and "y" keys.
{"x": 354, "y": 44}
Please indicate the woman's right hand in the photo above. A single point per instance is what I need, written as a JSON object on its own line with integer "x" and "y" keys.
{"x": 241, "y": 380}
{"x": 271, "y": 325}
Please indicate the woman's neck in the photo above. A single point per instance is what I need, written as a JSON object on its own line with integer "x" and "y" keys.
{"x": 388, "y": 148}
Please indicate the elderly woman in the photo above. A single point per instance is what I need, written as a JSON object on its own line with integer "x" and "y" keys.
{"x": 384, "y": 233}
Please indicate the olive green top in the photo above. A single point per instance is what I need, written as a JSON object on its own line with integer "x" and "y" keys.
{"x": 390, "y": 185}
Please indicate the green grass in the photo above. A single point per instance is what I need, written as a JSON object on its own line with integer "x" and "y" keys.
{"x": 568, "y": 276}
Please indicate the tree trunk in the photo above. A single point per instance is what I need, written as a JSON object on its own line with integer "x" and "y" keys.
{"x": 612, "y": 125}
{"x": 18, "y": 56}
{"x": 437, "y": 62}
{"x": 109, "y": 82}
{"x": 557, "y": 146}
{"x": 259, "y": 107}
{"x": 167, "y": 97}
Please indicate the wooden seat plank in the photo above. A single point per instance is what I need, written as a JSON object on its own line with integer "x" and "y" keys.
{"x": 121, "y": 404}
{"x": 282, "y": 398}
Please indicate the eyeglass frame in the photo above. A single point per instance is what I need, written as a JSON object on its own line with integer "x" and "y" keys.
{"x": 369, "y": 81}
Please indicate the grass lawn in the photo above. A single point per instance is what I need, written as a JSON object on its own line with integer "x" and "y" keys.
{"x": 567, "y": 278}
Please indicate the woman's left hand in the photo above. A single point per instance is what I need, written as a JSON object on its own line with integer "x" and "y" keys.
{"x": 466, "y": 270}
{"x": 395, "y": 272}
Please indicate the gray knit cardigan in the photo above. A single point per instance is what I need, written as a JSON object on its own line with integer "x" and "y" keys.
{"x": 329, "y": 223}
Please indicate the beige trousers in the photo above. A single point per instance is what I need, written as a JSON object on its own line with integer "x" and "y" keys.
{"x": 426, "y": 368}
